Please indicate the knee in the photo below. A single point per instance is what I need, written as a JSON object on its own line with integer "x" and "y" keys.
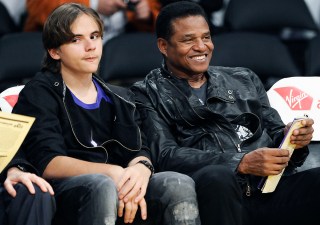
{"x": 25, "y": 201}
{"x": 176, "y": 185}
{"x": 172, "y": 176}
{"x": 179, "y": 196}
{"x": 40, "y": 196}
{"x": 45, "y": 196}
{"x": 100, "y": 186}
{"x": 46, "y": 200}
{"x": 172, "y": 179}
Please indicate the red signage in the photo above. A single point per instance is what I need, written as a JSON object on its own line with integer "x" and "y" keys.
{"x": 295, "y": 98}
{"x": 11, "y": 99}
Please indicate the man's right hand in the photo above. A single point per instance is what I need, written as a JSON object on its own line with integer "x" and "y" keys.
{"x": 129, "y": 208}
{"x": 109, "y": 7}
{"x": 264, "y": 162}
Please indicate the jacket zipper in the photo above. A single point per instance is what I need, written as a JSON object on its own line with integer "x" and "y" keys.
{"x": 88, "y": 147}
{"x": 237, "y": 145}
{"x": 69, "y": 119}
{"x": 248, "y": 189}
{"x": 134, "y": 106}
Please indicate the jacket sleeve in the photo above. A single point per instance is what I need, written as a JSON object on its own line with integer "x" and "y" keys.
{"x": 44, "y": 140}
{"x": 144, "y": 151}
{"x": 18, "y": 160}
{"x": 166, "y": 154}
{"x": 274, "y": 125}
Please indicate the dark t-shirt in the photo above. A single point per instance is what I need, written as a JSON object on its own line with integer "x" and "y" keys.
{"x": 95, "y": 120}
{"x": 243, "y": 132}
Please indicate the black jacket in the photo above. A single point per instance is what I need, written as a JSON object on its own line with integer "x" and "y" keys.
{"x": 53, "y": 133}
{"x": 20, "y": 161}
{"x": 185, "y": 135}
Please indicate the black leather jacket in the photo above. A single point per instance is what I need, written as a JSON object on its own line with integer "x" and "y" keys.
{"x": 184, "y": 135}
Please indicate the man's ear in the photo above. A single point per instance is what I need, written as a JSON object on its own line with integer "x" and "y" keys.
{"x": 162, "y": 45}
{"x": 54, "y": 53}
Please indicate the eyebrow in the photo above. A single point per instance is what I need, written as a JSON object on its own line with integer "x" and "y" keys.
{"x": 191, "y": 35}
{"x": 94, "y": 32}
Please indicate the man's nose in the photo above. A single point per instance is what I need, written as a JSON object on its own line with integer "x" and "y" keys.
{"x": 90, "y": 45}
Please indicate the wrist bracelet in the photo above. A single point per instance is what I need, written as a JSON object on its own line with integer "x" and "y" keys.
{"x": 148, "y": 165}
{"x": 21, "y": 168}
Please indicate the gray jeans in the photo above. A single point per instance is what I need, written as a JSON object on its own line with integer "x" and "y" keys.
{"x": 93, "y": 199}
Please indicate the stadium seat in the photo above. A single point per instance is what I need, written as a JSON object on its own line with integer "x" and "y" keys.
{"x": 289, "y": 20}
{"x": 129, "y": 57}
{"x": 9, "y": 97}
{"x": 270, "y": 16}
{"x": 20, "y": 56}
{"x": 312, "y": 57}
{"x": 265, "y": 54}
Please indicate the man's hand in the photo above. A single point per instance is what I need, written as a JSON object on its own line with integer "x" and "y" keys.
{"x": 115, "y": 172}
{"x": 130, "y": 208}
{"x": 15, "y": 176}
{"x": 134, "y": 183}
{"x": 264, "y": 162}
{"x": 132, "y": 188}
{"x": 302, "y": 136}
{"x": 142, "y": 10}
{"x": 109, "y": 7}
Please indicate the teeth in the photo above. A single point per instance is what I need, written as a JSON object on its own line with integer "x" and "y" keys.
{"x": 199, "y": 57}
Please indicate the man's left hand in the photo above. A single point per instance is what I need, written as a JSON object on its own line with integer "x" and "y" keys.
{"x": 15, "y": 176}
{"x": 134, "y": 182}
{"x": 302, "y": 136}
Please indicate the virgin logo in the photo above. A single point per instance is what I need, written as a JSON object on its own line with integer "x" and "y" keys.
{"x": 295, "y": 98}
{"x": 11, "y": 99}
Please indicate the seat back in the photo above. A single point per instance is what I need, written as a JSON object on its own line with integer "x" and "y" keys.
{"x": 9, "y": 97}
{"x": 20, "y": 57}
{"x": 265, "y": 54}
{"x": 269, "y": 16}
{"x": 296, "y": 96}
{"x": 313, "y": 57}
{"x": 129, "y": 57}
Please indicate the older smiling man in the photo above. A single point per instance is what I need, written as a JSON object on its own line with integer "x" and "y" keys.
{"x": 216, "y": 125}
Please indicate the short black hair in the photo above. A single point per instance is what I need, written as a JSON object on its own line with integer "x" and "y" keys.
{"x": 173, "y": 11}
{"x": 57, "y": 30}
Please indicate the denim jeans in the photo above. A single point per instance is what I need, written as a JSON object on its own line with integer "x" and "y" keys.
{"x": 93, "y": 199}
{"x": 26, "y": 208}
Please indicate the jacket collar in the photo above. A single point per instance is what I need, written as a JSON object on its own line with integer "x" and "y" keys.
{"x": 218, "y": 87}
{"x": 55, "y": 79}
{"x": 214, "y": 90}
